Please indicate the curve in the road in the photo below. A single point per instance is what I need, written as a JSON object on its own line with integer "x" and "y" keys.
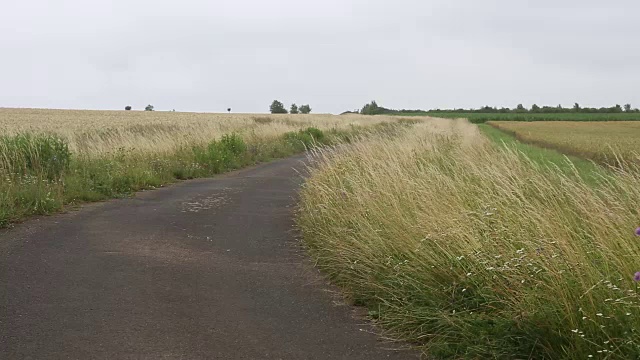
{"x": 205, "y": 269}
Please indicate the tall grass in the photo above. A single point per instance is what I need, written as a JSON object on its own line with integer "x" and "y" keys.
{"x": 25, "y": 154}
{"x": 40, "y": 175}
{"x": 568, "y": 164}
{"x": 604, "y": 142}
{"x": 96, "y": 133}
{"x": 52, "y": 158}
{"x": 474, "y": 251}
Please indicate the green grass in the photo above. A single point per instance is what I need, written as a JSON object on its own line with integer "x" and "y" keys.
{"x": 45, "y": 154}
{"x": 478, "y": 118}
{"x": 611, "y": 144}
{"x": 569, "y": 165}
{"x": 39, "y": 175}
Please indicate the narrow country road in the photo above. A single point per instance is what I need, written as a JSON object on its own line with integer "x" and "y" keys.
{"x": 205, "y": 269}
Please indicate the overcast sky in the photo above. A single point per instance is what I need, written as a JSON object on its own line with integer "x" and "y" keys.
{"x": 207, "y": 55}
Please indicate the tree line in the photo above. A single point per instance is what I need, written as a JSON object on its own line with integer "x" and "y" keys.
{"x": 277, "y": 107}
{"x": 373, "y": 108}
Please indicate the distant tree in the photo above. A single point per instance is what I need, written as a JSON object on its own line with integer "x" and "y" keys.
{"x": 627, "y": 107}
{"x": 305, "y": 109}
{"x": 617, "y": 108}
{"x": 366, "y": 109}
{"x": 128, "y": 107}
{"x": 277, "y": 107}
{"x": 371, "y": 109}
{"x": 576, "y": 107}
{"x": 229, "y": 110}
{"x": 520, "y": 108}
{"x": 535, "y": 108}
{"x": 148, "y": 108}
{"x": 488, "y": 109}
{"x": 294, "y": 109}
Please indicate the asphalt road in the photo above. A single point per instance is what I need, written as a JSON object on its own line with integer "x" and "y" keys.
{"x": 204, "y": 269}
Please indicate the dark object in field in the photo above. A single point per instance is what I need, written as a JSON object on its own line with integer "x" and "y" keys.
{"x": 277, "y": 108}
{"x": 305, "y": 109}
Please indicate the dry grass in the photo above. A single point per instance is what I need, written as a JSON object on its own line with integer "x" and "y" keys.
{"x": 599, "y": 141}
{"x": 473, "y": 251}
{"x": 50, "y": 158}
{"x": 100, "y": 132}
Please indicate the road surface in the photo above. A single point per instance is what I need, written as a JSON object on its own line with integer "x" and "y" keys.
{"x": 204, "y": 269}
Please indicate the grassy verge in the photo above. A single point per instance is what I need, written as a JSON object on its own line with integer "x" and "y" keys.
{"x": 567, "y": 164}
{"x": 607, "y": 143}
{"x": 471, "y": 250}
{"x": 40, "y": 175}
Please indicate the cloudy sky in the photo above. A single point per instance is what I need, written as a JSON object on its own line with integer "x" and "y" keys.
{"x": 207, "y": 55}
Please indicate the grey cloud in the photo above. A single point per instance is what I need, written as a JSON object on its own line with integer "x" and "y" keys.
{"x": 336, "y": 55}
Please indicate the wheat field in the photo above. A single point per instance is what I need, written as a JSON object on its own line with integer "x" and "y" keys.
{"x": 606, "y": 142}
{"x": 100, "y": 132}
{"x": 52, "y": 158}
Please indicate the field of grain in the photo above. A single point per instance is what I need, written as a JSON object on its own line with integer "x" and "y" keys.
{"x": 603, "y": 142}
{"x": 472, "y": 250}
{"x": 99, "y": 132}
{"x": 50, "y": 158}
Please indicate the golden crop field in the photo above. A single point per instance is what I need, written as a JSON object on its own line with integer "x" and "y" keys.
{"x": 50, "y": 158}
{"x": 99, "y": 132}
{"x": 599, "y": 141}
